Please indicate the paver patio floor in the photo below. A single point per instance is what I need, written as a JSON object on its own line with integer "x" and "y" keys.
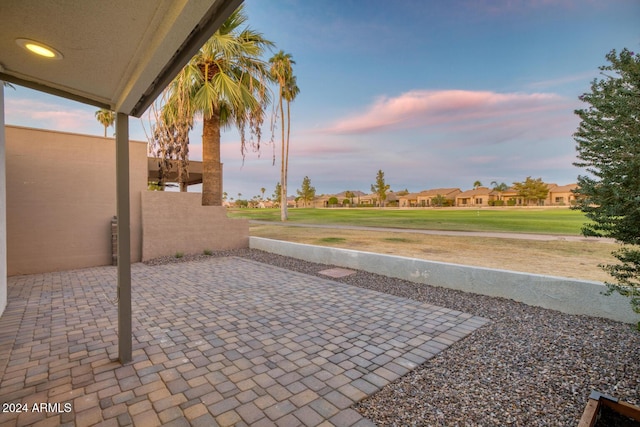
{"x": 227, "y": 341}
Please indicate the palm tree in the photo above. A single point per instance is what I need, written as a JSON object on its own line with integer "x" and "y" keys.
{"x": 226, "y": 83}
{"x": 178, "y": 115}
{"x": 350, "y": 195}
{"x": 169, "y": 140}
{"x": 106, "y": 118}
{"x": 499, "y": 188}
{"x": 476, "y": 185}
{"x": 289, "y": 93}
{"x": 282, "y": 72}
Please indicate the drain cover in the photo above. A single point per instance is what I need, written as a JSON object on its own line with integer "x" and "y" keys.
{"x": 337, "y": 272}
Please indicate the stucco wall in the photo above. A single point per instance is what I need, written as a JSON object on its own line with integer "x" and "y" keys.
{"x": 61, "y": 196}
{"x": 571, "y": 296}
{"x": 177, "y": 222}
{"x": 3, "y": 204}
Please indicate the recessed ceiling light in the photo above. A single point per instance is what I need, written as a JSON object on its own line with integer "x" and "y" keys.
{"x": 39, "y": 49}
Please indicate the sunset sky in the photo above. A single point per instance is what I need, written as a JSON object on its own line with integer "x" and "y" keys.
{"x": 434, "y": 93}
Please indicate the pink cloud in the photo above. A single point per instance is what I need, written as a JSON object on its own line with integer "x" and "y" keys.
{"x": 584, "y": 76}
{"x": 50, "y": 116}
{"x": 457, "y": 110}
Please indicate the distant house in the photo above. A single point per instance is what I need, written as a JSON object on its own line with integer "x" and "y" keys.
{"x": 559, "y": 195}
{"x": 562, "y": 195}
{"x": 425, "y": 198}
{"x": 321, "y": 201}
{"x": 264, "y": 204}
{"x": 477, "y": 197}
{"x": 368, "y": 199}
{"x": 511, "y": 197}
{"x": 352, "y": 195}
{"x": 409, "y": 200}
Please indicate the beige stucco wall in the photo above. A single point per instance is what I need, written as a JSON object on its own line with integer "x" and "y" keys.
{"x": 177, "y": 222}
{"x": 3, "y": 211}
{"x": 61, "y": 196}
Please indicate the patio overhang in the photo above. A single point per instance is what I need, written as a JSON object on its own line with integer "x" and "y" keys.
{"x": 194, "y": 168}
{"x": 117, "y": 55}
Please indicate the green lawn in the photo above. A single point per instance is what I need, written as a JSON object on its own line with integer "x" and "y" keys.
{"x": 546, "y": 221}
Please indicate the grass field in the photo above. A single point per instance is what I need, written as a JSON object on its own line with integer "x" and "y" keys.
{"x": 516, "y": 220}
{"x": 577, "y": 259}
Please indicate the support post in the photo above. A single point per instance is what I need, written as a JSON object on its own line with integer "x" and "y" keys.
{"x": 124, "y": 238}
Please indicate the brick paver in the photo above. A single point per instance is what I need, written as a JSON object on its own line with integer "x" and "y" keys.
{"x": 226, "y": 341}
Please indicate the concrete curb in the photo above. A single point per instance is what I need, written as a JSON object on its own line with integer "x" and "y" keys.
{"x": 567, "y": 295}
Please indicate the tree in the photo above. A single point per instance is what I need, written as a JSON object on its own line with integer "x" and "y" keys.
{"x": 380, "y": 188}
{"x": 608, "y": 146}
{"x": 169, "y": 140}
{"x": 106, "y": 118}
{"x": 289, "y": 93}
{"x": 499, "y": 188}
{"x": 306, "y": 192}
{"x": 262, "y": 190}
{"x": 277, "y": 194}
{"x": 175, "y": 121}
{"x": 227, "y": 84}
{"x": 531, "y": 190}
{"x": 438, "y": 201}
{"x": 477, "y": 184}
{"x": 350, "y": 194}
{"x": 282, "y": 72}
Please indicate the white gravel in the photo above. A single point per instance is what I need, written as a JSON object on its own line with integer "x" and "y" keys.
{"x": 528, "y": 367}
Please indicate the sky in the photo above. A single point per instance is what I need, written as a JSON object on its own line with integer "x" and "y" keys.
{"x": 433, "y": 93}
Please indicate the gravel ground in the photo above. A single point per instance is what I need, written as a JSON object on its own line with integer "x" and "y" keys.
{"x": 528, "y": 367}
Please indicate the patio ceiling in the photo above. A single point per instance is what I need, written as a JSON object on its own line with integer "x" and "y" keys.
{"x": 117, "y": 54}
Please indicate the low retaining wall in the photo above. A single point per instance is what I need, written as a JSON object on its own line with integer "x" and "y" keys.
{"x": 563, "y": 294}
{"x": 177, "y": 222}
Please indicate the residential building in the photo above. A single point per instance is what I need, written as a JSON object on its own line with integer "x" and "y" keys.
{"x": 559, "y": 195}
{"x": 426, "y": 198}
{"x": 562, "y": 195}
{"x": 478, "y": 197}
{"x": 409, "y": 200}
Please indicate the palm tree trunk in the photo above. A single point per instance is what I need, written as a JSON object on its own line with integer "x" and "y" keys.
{"x": 182, "y": 180}
{"x": 211, "y": 168}
{"x": 283, "y": 176}
{"x": 183, "y": 160}
{"x": 286, "y": 156}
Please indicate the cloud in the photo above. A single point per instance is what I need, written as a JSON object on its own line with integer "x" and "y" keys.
{"x": 51, "y": 116}
{"x": 454, "y": 111}
{"x": 579, "y": 77}
{"x": 523, "y": 7}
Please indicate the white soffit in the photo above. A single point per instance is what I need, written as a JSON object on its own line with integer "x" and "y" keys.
{"x": 117, "y": 54}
